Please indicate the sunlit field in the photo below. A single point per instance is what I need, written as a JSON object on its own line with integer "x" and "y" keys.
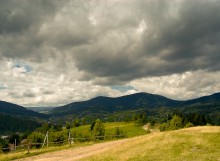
{"x": 194, "y": 144}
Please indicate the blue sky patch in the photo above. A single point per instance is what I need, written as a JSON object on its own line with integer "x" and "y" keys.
{"x": 27, "y": 68}
{"x": 122, "y": 88}
{"x": 2, "y": 87}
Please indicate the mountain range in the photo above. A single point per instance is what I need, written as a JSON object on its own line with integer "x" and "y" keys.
{"x": 108, "y": 107}
{"x": 151, "y": 103}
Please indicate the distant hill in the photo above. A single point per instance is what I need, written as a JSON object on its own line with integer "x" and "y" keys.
{"x": 16, "y": 110}
{"x": 10, "y": 124}
{"x": 111, "y": 105}
{"x": 102, "y": 106}
{"x": 15, "y": 118}
{"x": 43, "y": 110}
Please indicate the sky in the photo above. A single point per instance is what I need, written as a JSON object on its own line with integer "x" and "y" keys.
{"x": 53, "y": 52}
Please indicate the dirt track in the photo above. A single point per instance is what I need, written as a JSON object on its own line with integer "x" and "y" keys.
{"x": 75, "y": 154}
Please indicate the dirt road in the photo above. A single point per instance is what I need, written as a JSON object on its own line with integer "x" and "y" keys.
{"x": 77, "y": 153}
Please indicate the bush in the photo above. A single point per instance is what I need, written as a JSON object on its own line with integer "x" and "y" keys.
{"x": 36, "y": 137}
{"x": 119, "y": 133}
{"x": 189, "y": 124}
{"x": 176, "y": 123}
{"x": 3, "y": 144}
{"x": 12, "y": 138}
{"x": 58, "y": 137}
{"x": 164, "y": 126}
{"x": 99, "y": 130}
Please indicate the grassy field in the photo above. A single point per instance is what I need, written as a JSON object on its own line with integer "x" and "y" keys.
{"x": 192, "y": 144}
{"x": 129, "y": 128}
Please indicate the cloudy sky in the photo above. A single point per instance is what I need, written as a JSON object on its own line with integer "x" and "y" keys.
{"x": 54, "y": 52}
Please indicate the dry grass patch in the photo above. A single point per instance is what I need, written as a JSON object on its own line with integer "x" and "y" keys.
{"x": 197, "y": 143}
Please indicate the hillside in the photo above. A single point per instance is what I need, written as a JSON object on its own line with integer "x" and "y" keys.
{"x": 192, "y": 144}
{"x": 16, "y": 110}
{"x": 111, "y": 105}
{"x": 103, "y": 107}
{"x": 10, "y": 124}
{"x": 15, "y": 118}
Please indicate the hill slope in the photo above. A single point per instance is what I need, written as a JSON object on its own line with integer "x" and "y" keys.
{"x": 192, "y": 144}
{"x": 10, "y": 124}
{"x": 15, "y": 118}
{"x": 145, "y": 101}
{"x": 16, "y": 110}
{"x": 111, "y": 105}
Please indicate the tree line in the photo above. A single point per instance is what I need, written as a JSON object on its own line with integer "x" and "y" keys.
{"x": 10, "y": 124}
{"x": 179, "y": 120}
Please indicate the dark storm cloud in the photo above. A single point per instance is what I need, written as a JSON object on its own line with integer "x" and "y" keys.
{"x": 112, "y": 42}
{"x": 185, "y": 39}
{"x": 17, "y": 16}
{"x": 20, "y": 22}
{"x": 191, "y": 40}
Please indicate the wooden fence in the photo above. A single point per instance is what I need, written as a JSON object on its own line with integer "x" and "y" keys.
{"x": 71, "y": 141}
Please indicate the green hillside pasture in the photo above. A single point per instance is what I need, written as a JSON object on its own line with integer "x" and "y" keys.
{"x": 191, "y": 144}
{"x": 130, "y": 129}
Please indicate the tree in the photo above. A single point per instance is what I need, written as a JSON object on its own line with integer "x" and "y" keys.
{"x": 164, "y": 126}
{"x": 36, "y": 137}
{"x": 76, "y": 122}
{"x": 84, "y": 122}
{"x": 92, "y": 125}
{"x": 176, "y": 123}
{"x": 59, "y": 137}
{"x": 99, "y": 129}
{"x": 3, "y": 144}
{"x": 12, "y": 138}
{"x": 119, "y": 132}
{"x": 68, "y": 126}
{"x": 58, "y": 127}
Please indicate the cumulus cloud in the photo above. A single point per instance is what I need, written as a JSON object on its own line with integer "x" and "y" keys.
{"x": 183, "y": 86}
{"x": 54, "y": 52}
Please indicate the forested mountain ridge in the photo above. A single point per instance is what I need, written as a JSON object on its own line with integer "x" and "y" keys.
{"x": 10, "y": 124}
{"x": 15, "y": 118}
{"x": 109, "y": 109}
{"x": 108, "y": 104}
{"x": 136, "y": 101}
{"x": 16, "y": 110}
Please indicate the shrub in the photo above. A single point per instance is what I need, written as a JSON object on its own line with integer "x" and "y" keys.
{"x": 176, "y": 123}
{"x": 119, "y": 133}
{"x": 36, "y": 137}
{"x": 189, "y": 124}
{"x": 12, "y": 138}
{"x": 164, "y": 126}
{"x": 99, "y": 129}
{"x": 58, "y": 137}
